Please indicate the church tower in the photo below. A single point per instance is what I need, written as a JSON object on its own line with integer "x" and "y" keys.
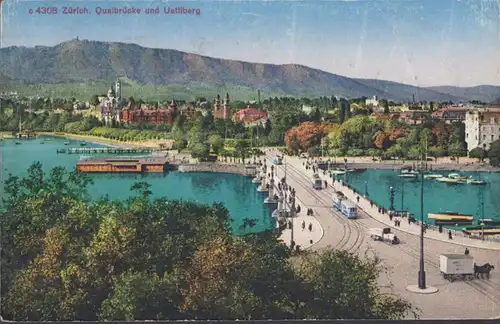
{"x": 217, "y": 104}
{"x": 225, "y": 109}
{"x": 118, "y": 89}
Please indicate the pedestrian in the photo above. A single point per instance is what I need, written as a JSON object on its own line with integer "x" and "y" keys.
{"x": 298, "y": 209}
{"x": 450, "y": 236}
{"x": 303, "y": 225}
{"x": 466, "y": 251}
{"x": 326, "y": 184}
{"x": 357, "y": 198}
{"x": 371, "y": 204}
{"x": 310, "y": 227}
{"x": 390, "y": 217}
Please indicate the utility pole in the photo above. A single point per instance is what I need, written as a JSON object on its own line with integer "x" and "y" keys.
{"x": 421, "y": 272}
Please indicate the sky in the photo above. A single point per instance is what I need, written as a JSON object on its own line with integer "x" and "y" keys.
{"x": 419, "y": 42}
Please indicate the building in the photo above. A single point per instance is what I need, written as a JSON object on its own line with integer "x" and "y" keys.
{"x": 414, "y": 117}
{"x": 144, "y": 114}
{"x": 111, "y": 106}
{"x": 451, "y": 114}
{"x": 482, "y": 127}
{"x": 374, "y": 102}
{"x": 221, "y": 112}
{"x": 250, "y": 117}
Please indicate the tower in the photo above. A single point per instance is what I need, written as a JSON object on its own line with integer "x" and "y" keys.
{"x": 225, "y": 108}
{"x": 217, "y": 103}
{"x": 118, "y": 89}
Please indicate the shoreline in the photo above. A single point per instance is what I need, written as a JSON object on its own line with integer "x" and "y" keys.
{"x": 442, "y": 164}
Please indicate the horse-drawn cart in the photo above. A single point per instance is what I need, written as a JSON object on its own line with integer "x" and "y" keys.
{"x": 457, "y": 266}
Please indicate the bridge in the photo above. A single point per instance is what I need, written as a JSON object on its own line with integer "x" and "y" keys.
{"x": 105, "y": 150}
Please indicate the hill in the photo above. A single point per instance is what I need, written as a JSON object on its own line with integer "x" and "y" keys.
{"x": 81, "y": 63}
{"x": 484, "y": 93}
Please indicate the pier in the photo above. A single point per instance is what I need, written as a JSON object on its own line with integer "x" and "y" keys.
{"x": 26, "y": 135}
{"x": 106, "y": 150}
{"x": 123, "y": 165}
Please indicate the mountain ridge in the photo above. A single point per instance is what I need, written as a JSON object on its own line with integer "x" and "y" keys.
{"x": 86, "y": 61}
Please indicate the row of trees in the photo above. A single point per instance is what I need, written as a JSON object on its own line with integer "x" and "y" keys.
{"x": 65, "y": 257}
{"x": 365, "y": 135}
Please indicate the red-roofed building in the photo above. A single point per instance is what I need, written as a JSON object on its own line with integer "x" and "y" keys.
{"x": 251, "y": 116}
{"x": 144, "y": 114}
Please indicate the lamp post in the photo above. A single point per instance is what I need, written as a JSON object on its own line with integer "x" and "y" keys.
{"x": 482, "y": 231}
{"x": 366, "y": 188}
{"x": 391, "y": 198}
{"x": 402, "y": 195}
{"x": 421, "y": 272}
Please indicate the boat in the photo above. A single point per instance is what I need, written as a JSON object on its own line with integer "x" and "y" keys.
{"x": 457, "y": 176}
{"x": 407, "y": 175}
{"x": 450, "y": 180}
{"x": 433, "y": 176}
{"x": 18, "y": 143}
{"x": 83, "y": 144}
{"x": 451, "y": 218}
{"x": 484, "y": 224}
{"x": 337, "y": 172}
{"x": 67, "y": 143}
{"x": 42, "y": 142}
{"x": 475, "y": 182}
{"x": 483, "y": 231}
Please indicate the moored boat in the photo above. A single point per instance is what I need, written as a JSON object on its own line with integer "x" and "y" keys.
{"x": 407, "y": 175}
{"x": 457, "y": 176}
{"x": 450, "y": 180}
{"x": 451, "y": 218}
{"x": 475, "y": 182}
{"x": 433, "y": 176}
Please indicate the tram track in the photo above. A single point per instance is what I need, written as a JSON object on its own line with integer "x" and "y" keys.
{"x": 349, "y": 230}
{"x": 488, "y": 289}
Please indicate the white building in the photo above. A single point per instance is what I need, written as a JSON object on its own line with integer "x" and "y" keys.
{"x": 482, "y": 127}
{"x": 112, "y": 105}
{"x": 372, "y": 102}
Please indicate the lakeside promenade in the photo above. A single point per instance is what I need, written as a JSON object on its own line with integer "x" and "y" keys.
{"x": 479, "y": 298}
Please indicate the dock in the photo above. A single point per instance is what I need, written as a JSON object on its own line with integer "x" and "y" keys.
{"x": 26, "y": 135}
{"x": 123, "y": 165}
{"x": 106, "y": 150}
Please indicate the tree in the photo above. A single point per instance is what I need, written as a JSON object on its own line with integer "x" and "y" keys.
{"x": 307, "y": 135}
{"x": 94, "y": 100}
{"x": 494, "y": 153}
{"x": 382, "y": 140}
{"x": 342, "y": 293}
{"x": 477, "y": 153}
{"x": 67, "y": 258}
{"x": 436, "y": 152}
{"x": 456, "y": 150}
{"x": 216, "y": 143}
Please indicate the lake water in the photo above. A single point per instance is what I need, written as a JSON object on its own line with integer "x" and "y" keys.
{"x": 237, "y": 193}
{"x": 438, "y": 196}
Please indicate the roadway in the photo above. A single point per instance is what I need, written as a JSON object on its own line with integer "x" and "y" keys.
{"x": 479, "y": 298}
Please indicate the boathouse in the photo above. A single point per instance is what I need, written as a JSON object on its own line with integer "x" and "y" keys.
{"x": 123, "y": 165}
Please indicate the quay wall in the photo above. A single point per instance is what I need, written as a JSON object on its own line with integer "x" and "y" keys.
{"x": 214, "y": 167}
{"x": 431, "y": 166}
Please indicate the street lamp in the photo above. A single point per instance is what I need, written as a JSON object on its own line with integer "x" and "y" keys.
{"x": 366, "y": 188}
{"x": 482, "y": 230}
{"x": 421, "y": 272}
{"x": 391, "y": 198}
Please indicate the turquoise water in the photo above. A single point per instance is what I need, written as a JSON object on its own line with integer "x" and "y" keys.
{"x": 438, "y": 196}
{"x": 237, "y": 193}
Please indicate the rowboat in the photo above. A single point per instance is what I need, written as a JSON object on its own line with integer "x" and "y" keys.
{"x": 475, "y": 182}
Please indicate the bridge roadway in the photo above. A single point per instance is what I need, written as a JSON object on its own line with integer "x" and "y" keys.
{"x": 476, "y": 299}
